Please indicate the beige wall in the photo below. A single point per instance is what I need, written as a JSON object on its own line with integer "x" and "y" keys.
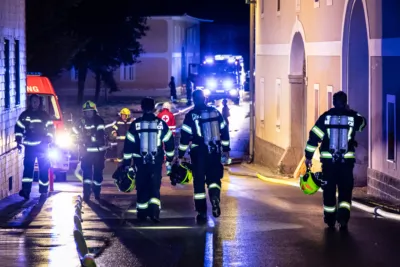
{"x": 322, "y": 29}
{"x": 156, "y": 39}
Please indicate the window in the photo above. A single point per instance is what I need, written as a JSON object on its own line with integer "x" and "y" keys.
{"x": 316, "y": 101}
{"x": 262, "y": 3}
{"x": 74, "y": 74}
{"x": 329, "y": 96}
{"x": 278, "y": 5}
{"x": 278, "y": 89}
{"x": 316, "y": 3}
{"x": 17, "y": 70}
{"x": 176, "y": 34}
{"x": 391, "y": 127}
{"x": 50, "y": 106}
{"x": 127, "y": 73}
{"x": 262, "y": 100}
{"x": 298, "y": 5}
{"x": 329, "y": 2}
{"x": 7, "y": 72}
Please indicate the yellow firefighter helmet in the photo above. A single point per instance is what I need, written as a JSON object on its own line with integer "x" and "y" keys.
{"x": 89, "y": 105}
{"x": 126, "y": 112}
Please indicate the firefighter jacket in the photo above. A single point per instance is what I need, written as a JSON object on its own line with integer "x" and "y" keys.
{"x": 169, "y": 119}
{"x": 322, "y": 131}
{"x": 192, "y": 131}
{"x": 120, "y": 127}
{"x": 132, "y": 146}
{"x": 34, "y": 128}
{"x": 91, "y": 133}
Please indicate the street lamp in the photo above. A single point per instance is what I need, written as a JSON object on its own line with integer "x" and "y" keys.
{"x": 252, "y": 4}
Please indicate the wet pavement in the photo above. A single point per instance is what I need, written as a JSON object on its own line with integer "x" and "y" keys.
{"x": 262, "y": 224}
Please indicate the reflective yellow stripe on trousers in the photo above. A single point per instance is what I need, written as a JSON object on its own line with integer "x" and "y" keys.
{"x": 200, "y": 196}
{"x": 344, "y": 205}
{"x": 214, "y": 185}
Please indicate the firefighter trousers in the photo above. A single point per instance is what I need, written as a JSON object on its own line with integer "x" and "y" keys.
{"x": 120, "y": 150}
{"x": 92, "y": 165}
{"x": 148, "y": 184}
{"x": 31, "y": 154}
{"x": 207, "y": 169}
{"x": 340, "y": 176}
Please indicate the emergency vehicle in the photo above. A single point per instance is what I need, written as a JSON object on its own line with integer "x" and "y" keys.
{"x": 59, "y": 154}
{"x": 220, "y": 76}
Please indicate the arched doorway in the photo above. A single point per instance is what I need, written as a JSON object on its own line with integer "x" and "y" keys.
{"x": 355, "y": 73}
{"x": 297, "y": 101}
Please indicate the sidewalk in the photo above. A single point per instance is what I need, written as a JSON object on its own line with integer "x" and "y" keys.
{"x": 40, "y": 233}
{"x": 361, "y": 198}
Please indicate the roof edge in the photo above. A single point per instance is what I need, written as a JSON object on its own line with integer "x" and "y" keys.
{"x": 198, "y": 19}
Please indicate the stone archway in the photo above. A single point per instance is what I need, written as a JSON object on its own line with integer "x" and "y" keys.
{"x": 297, "y": 74}
{"x": 355, "y": 77}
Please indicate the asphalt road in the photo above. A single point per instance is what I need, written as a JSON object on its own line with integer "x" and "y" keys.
{"x": 262, "y": 224}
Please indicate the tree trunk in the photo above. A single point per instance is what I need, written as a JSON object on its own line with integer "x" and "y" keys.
{"x": 98, "y": 86}
{"x": 82, "y": 73}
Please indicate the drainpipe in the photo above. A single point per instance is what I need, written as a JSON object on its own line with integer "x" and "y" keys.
{"x": 251, "y": 85}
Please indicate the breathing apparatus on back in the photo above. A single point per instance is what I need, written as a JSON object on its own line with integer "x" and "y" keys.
{"x": 149, "y": 133}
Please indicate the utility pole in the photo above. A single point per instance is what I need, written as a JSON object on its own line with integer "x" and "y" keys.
{"x": 251, "y": 85}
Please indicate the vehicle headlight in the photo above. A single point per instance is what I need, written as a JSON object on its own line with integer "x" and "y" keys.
{"x": 233, "y": 92}
{"x": 211, "y": 84}
{"x": 53, "y": 154}
{"x": 64, "y": 140}
{"x": 228, "y": 84}
{"x": 206, "y": 92}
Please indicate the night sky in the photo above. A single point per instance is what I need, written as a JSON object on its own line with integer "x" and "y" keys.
{"x": 221, "y": 11}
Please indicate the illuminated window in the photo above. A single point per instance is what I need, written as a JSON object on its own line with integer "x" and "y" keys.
{"x": 329, "y": 97}
{"x": 261, "y": 100}
{"x": 391, "y": 127}
{"x": 316, "y": 3}
{"x": 316, "y": 102}
{"x": 278, "y": 89}
{"x": 127, "y": 73}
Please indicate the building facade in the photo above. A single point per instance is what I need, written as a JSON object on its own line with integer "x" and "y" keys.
{"x": 12, "y": 91}
{"x": 170, "y": 45}
{"x": 308, "y": 50}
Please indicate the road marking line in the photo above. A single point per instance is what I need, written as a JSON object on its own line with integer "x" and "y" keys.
{"x": 377, "y": 211}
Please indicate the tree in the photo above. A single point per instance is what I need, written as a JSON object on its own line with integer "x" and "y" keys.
{"x": 49, "y": 43}
{"x": 113, "y": 31}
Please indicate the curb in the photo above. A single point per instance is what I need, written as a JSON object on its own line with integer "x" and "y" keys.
{"x": 87, "y": 259}
{"x": 376, "y": 211}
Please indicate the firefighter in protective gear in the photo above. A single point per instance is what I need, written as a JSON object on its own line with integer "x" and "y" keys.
{"x": 145, "y": 142}
{"x": 34, "y": 130}
{"x": 120, "y": 128}
{"x": 90, "y": 131}
{"x": 205, "y": 127}
{"x": 336, "y": 130}
{"x": 167, "y": 116}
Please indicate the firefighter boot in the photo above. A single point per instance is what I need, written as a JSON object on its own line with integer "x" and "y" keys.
{"x": 201, "y": 218}
{"x": 86, "y": 192}
{"x": 343, "y": 218}
{"x": 330, "y": 221}
{"x": 96, "y": 191}
{"x": 141, "y": 215}
{"x": 24, "y": 194}
{"x": 216, "y": 210}
{"x": 154, "y": 213}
